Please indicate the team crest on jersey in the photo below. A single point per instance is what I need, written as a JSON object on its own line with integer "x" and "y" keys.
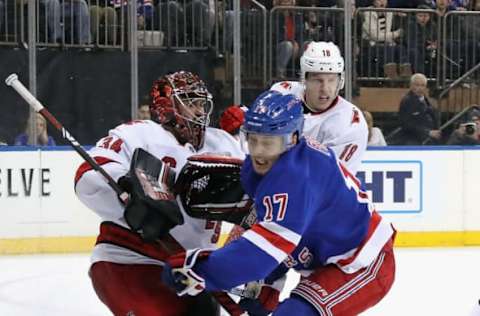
{"x": 286, "y": 85}
{"x": 313, "y": 143}
{"x": 355, "y": 117}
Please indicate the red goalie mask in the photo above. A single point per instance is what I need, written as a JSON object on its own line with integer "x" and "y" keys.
{"x": 182, "y": 104}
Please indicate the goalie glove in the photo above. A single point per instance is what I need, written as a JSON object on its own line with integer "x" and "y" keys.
{"x": 210, "y": 188}
{"x": 178, "y": 272}
{"x": 151, "y": 209}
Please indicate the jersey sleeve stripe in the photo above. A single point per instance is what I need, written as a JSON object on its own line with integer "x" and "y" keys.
{"x": 264, "y": 244}
{"x": 84, "y": 167}
{"x": 274, "y": 239}
{"x": 281, "y": 231}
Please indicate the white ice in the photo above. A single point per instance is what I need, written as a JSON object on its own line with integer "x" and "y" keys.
{"x": 435, "y": 281}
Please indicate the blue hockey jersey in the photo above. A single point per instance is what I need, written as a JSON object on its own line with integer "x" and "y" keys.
{"x": 311, "y": 212}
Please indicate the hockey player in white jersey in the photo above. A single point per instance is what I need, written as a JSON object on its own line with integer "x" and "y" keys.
{"x": 329, "y": 118}
{"x": 125, "y": 268}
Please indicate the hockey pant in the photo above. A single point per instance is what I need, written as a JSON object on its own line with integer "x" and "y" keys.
{"x": 329, "y": 291}
{"x": 136, "y": 289}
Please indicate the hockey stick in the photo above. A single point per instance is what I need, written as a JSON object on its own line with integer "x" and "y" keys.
{"x": 13, "y": 82}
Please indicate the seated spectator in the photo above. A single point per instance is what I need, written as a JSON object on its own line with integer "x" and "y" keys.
{"x": 383, "y": 41}
{"x": 375, "y": 135}
{"x": 231, "y": 120}
{"x": 288, "y": 34}
{"x": 145, "y": 15}
{"x": 76, "y": 21}
{"x": 467, "y": 133}
{"x": 43, "y": 139}
{"x": 418, "y": 118}
{"x": 189, "y": 22}
{"x": 103, "y": 14}
{"x": 461, "y": 52}
{"x": 422, "y": 42}
{"x": 53, "y": 14}
{"x": 143, "y": 112}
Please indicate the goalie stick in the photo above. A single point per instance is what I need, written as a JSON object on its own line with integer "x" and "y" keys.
{"x": 17, "y": 85}
{"x": 222, "y": 298}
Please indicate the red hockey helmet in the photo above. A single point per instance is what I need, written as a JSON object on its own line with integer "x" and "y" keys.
{"x": 231, "y": 119}
{"x": 182, "y": 104}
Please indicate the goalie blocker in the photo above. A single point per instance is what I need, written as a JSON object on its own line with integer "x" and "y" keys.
{"x": 209, "y": 187}
{"x": 151, "y": 209}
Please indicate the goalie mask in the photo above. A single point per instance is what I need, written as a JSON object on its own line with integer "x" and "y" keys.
{"x": 182, "y": 104}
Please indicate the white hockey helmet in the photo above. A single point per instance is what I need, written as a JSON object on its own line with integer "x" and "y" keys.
{"x": 323, "y": 57}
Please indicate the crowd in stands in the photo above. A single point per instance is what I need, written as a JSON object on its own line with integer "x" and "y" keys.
{"x": 402, "y": 43}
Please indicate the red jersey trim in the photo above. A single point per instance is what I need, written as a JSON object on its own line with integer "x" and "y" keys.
{"x": 84, "y": 167}
{"x": 275, "y": 239}
{"x": 111, "y": 233}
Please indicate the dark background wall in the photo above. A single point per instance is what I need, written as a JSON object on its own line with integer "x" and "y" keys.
{"x": 88, "y": 91}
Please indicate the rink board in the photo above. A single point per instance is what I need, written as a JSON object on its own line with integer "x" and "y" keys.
{"x": 429, "y": 193}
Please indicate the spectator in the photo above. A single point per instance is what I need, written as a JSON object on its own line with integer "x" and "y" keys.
{"x": 231, "y": 120}
{"x": 171, "y": 15}
{"x": 467, "y": 133}
{"x": 76, "y": 20}
{"x": 461, "y": 53}
{"x": 384, "y": 42}
{"x": 375, "y": 135}
{"x": 43, "y": 139}
{"x": 145, "y": 14}
{"x": 103, "y": 13}
{"x": 52, "y": 8}
{"x": 422, "y": 42}
{"x": 288, "y": 31}
{"x": 143, "y": 112}
{"x": 200, "y": 21}
{"x": 418, "y": 118}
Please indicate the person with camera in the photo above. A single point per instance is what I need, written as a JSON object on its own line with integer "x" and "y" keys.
{"x": 467, "y": 133}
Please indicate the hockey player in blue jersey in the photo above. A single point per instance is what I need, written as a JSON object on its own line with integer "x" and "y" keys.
{"x": 312, "y": 216}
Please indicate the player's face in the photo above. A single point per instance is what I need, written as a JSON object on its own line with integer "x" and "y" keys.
{"x": 264, "y": 151}
{"x": 321, "y": 90}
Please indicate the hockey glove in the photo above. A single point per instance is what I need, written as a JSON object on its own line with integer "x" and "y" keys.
{"x": 263, "y": 299}
{"x": 151, "y": 209}
{"x": 178, "y": 272}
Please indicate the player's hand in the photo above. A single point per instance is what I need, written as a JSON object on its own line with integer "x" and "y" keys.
{"x": 265, "y": 301}
{"x": 178, "y": 272}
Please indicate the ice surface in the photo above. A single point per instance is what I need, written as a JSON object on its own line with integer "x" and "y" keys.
{"x": 435, "y": 281}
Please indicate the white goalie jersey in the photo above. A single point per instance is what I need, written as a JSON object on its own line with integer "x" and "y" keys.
{"x": 114, "y": 153}
{"x": 341, "y": 126}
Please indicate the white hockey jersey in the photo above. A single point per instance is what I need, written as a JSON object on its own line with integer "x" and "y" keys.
{"x": 114, "y": 152}
{"x": 341, "y": 126}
